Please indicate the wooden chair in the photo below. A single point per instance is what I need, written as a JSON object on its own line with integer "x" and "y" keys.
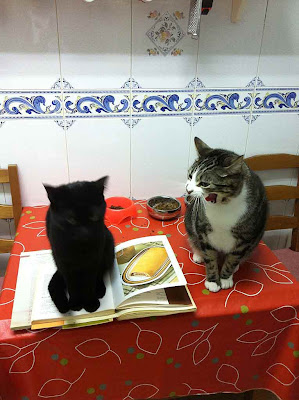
{"x": 290, "y": 257}
{"x": 10, "y": 176}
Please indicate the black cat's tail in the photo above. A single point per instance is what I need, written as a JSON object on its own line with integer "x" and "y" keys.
{"x": 57, "y": 290}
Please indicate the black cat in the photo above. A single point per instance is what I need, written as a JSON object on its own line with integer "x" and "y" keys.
{"x": 82, "y": 246}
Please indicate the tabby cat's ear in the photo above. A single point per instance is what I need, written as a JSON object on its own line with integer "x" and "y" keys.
{"x": 234, "y": 166}
{"x": 51, "y": 192}
{"x": 201, "y": 147}
{"x": 102, "y": 183}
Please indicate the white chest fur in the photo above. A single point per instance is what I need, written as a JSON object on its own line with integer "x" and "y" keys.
{"x": 222, "y": 218}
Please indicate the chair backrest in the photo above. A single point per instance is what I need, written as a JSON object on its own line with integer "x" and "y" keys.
{"x": 280, "y": 192}
{"x": 10, "y": 176}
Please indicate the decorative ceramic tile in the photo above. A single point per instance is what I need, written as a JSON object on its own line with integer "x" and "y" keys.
{"x": 280, "y": 48}
{"x": 165, "y": 34}
{"x": 163, "y": 55}
{"x": 40, "y": 154}
{"x": 159, "y": 103}
{"x": 223, "y": 101}
{"x": 29, "y": 57}
{"x": 30, "y": 104}
{"x": 159, "y": 151}
{"x": 229, "y": 52}
{"x": 80, "y": 104}
{"x": 95, "y": 42}
{"x": 100, "y": 147}
{"x": 276, "y": 99}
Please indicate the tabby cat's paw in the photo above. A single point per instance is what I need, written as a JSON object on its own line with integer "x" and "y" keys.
{"x": 227, "y": 283}
{"x": 212, "y": 286}
{"x": 92, "y": 306}
{"x": 197, "y": 258}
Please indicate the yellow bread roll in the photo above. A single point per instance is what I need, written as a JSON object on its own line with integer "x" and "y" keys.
{"x": 149, "y": 262}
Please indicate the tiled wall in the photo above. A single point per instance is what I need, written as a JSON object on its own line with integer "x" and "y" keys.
{"x": 117, "y": 87}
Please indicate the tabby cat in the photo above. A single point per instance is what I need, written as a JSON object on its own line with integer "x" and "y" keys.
{"x": 226, "y": 212}
{"x": 82, "y": 246}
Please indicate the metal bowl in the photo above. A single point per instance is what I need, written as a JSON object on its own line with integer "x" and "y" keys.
{"x": 154, "y": 211}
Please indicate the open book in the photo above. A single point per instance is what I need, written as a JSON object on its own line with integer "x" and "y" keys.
{"x": 146, "y": 280}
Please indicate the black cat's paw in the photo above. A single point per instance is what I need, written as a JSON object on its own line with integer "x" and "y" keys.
{"x": 92, "y": 305}
{"x": 100, "y": 290}
{"x": 63, "y": 308}
{"x": 75, "y": 305}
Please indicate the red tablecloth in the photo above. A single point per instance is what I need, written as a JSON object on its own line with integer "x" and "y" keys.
{"x": 243, "y": 338}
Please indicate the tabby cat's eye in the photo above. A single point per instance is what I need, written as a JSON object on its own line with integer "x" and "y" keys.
{"x": 190, "y": 176}
{"x": 203, "y": 184}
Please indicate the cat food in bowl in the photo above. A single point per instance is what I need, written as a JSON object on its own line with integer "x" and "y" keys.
{"x": 119, "y": 208}
{"x": 163, "y": 207}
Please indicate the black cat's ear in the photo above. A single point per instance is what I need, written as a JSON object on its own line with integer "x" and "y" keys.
{"x": 234, "y": 165}
{"x": 201, "y": 147}
{"x": 102, "y": 183}
{"x": 51, "y": 192}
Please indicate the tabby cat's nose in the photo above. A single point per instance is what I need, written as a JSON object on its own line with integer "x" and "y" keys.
{"x": 189, "y": 191}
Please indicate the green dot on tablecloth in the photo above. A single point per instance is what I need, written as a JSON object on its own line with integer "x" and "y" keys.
{"x": 160, "y": 232}
{"x": 215, "y": 360}
{"x": 169, "y": 361}
{"x": 63, "y": 361}
{"x": 139, "y": 356}
{"x": 168, "y": 234}
{"x": 16, "y": 234}
{"x": 256, "y": 269}
{"x": 139, "y": 211}
{"x": 205, "y": 291}
{"x": 236, "y": 316}
{"x": 103, "y": 386}
{"x": 55, "y": 357}
{"x": 25, "y": 398}
{"x": 131, "y": 350}
{"x": 244, "y": 309}
{"x": 177, "y": 365}
{"x": 153, "y": 318}
{"x": 128, "y": 226}
{"x": 99, "y": 397}
{"x": 172, "y": 394}
{"x": 22, "y": 215}
{"x": 228, "y": 353}
{"x": 135, "y": 229}
{"x": 255, "y": 377}
{"x": 32, "y": 217}
{"x": 128, "y": 383}
{"x": 296, "y": 353}
{"x": 90, "y": 390}
{"x": 291, "y": 345}
{"x": 28, "y": 212}
{"x": 195, "y": 323}
{"x": 249, "y": 322}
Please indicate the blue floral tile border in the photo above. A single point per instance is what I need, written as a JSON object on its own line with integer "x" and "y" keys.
{"x": 192, "y": 103}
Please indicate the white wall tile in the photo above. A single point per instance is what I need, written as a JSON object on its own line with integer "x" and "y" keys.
{"x": 95, "y": 42}
{"x": 228, "y": 52}
{"x": 29, "y": 55}
{"x": 100, "y": 147}
{"x": 280, "y": 49}
{"x": 162, "y": 71}
{"x": 224, "y": 132}
{"x": 273, "y": 133}
{"x": 160, "y": 148}
{"x": 38, "y": 148}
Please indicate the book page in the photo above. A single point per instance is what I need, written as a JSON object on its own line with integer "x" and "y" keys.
{"x": 23, "y": 301}
{"x": 43, "y": 307}
{"x": 153, "y": 297}
{"x": 146, "y": 264}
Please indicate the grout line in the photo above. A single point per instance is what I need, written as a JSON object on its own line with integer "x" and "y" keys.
{"x": 256, "y": 76}
{"x": 131, "y": 96}
{"x": 62, "y": 94}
